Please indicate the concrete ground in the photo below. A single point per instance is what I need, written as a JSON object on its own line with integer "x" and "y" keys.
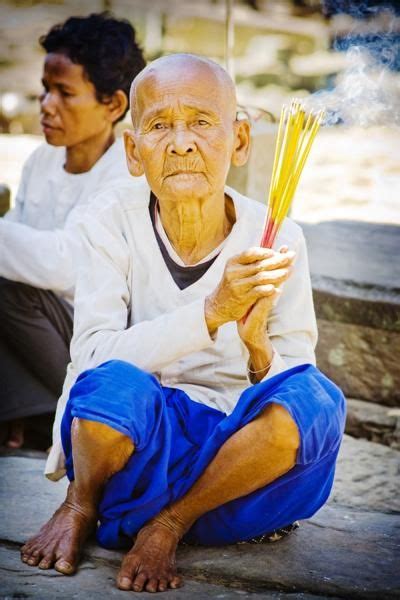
{"x": 350, "y": 549}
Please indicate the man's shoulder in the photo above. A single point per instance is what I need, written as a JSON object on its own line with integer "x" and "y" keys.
{"x": 45, "y": 156}
{"x": 120, "y": 195}
{"x": 113, "y": 162}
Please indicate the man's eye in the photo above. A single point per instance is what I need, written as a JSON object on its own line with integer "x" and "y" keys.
{"x": 158, "y": 125}
{"x": 202, "y": 122}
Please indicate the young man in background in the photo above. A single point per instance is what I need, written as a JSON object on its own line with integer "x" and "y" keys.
{"x": 89, "y": 65}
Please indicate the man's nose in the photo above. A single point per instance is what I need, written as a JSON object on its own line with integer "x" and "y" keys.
{"x": 47, "y": 103}
{"x": 182, "y": 142}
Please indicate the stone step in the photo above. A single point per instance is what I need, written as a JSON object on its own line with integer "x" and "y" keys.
{"x": 356, "y": 286}
{"x": 321, "y": 559}
{"x": 373, "y": 422}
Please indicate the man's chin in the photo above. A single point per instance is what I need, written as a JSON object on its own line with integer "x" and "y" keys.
{"x": 186, "y": 186}
{"x": 54, "y": 138}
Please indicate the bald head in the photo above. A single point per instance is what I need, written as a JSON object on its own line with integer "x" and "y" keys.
{"x": 170, "y": 71}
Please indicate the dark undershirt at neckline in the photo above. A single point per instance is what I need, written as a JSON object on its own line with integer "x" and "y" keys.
{"x": 183, "y": 276}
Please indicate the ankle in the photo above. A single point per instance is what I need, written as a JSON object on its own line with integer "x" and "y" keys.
{"x": 172, "y": 520}
{"x": 80, "y": 502}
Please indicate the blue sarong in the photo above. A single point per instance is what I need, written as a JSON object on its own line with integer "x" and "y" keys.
{"x": 175, "y": 438}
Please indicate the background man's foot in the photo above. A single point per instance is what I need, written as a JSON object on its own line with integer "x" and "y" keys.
{"x": 150, "y": 565}
{"x": 15, "y": 438}
{"x": 59, "y": 543}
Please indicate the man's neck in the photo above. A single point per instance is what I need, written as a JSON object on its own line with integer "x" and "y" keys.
{"x": 196, "y": 228}
{"x": 81, "y": 157}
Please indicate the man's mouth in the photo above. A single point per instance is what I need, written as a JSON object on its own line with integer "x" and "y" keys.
{"x": 182, "y": 172}
{"x": 47, "y": 125}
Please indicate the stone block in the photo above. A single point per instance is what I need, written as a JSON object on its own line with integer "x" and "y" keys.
{"x": 356, "y": 286}
{"x": 373, "y": 422}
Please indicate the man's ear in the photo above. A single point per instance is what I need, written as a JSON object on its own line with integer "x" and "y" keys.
{"x": 241, "y": 146}
{"x": 132, "y": 157}
{"x": 117, "y": 105}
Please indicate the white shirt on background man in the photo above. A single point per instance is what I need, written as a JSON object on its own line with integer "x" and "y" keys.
{"x": 39, "y": 244}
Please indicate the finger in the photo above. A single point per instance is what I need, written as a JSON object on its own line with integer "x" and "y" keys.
{"x": 274, "y": 262}
{"x": 265, "y": 277}
{"x": 283, "y": 249}
{"x": 277, "y": 261}
{"x": 263, "y": 291}
{"x": 253, "y": 254}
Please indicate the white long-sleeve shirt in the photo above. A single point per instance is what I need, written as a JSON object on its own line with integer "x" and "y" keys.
{"x": 128, "y": 307}
{"x": 39, "y": 244}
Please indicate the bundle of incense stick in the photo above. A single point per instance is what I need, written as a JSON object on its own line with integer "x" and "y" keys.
{"x": 296, "y": 134}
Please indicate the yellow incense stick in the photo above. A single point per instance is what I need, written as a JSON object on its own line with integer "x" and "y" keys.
{"x": 296, "y": 134}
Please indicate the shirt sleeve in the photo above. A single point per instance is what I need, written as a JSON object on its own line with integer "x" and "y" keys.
{"x": 292, "y": 326}
{"x": 103, "y": 307}
{"x": 14, "y": 215}
{"x": 44, "y": 259}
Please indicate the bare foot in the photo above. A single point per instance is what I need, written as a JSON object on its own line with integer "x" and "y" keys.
{"x": 58, "y": 544}
{"x": 15, "y": 437}
{"x": 150, "y": 565}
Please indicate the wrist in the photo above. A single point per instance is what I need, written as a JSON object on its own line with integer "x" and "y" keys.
{"x": 257, "y": 343}
{"x": 212, "y": 320}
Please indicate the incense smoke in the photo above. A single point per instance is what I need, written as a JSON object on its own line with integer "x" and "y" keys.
{"x": 367, "y": 92}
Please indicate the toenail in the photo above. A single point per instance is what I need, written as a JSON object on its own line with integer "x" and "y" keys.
{"x": 125, "y": 582}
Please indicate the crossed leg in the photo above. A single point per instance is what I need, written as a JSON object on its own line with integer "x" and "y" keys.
{"x": 250, "y": 459}
{"x": 98, "y": 452}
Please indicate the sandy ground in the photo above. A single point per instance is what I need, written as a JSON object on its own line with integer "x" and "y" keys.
{"x": 350, "y": 174}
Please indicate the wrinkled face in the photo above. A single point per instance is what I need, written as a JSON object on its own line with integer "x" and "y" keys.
{"x": 184, "y": 131}
{"x": 70, "y": 111}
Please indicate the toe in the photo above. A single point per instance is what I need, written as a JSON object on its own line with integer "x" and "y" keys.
{"x": 176, "y": 582}
{"x": 64, "y": 567}
{"x": 124, "y": 583}
{"x": 127, "y": 573}
{"x": 34, "y": 558}
{"x": 162, "y": 584}
{"x": 139, "y": 582}
{"x": 46, "y": 562}
{"x": 152, "y": 585}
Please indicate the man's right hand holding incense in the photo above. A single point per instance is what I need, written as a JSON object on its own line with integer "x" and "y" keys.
{"x": 248, "y": 277}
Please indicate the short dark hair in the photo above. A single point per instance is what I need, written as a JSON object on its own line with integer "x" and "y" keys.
{"x": 106, "y": 47}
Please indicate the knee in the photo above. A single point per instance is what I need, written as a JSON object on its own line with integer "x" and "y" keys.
{"x": 13, "y": 294}
{"x": 97, "y": 433}
{"x": 280, "y": 427}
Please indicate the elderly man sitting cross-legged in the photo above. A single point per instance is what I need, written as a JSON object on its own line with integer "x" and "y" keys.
{"x": 188, "y": 420}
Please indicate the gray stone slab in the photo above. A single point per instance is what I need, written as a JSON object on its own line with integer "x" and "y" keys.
{"x": 322, "y": 558}
{"x": 362, "y": 360}
{"x": 373, "y": 422}
{"x": 360, "y": 251}
{"x": 95, "y": 580}
{"x": 367, "y": 476}
{"x": 356, "y": 290}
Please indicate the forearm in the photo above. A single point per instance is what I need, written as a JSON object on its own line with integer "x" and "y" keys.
{"x": 150, "y": 344}
{"x": 43, "y": 259}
